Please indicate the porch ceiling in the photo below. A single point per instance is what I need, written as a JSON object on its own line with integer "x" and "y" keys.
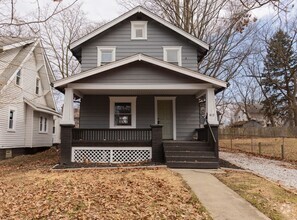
{"x": 136, "y": 92}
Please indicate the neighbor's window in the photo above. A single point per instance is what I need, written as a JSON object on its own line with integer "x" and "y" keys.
{"x": 172, "y": 55}
{"x": 11, "y": 119}
{"x": 42, "y": 124}
{"x": 138, "y": 30}
{"x": 18, "y": 78}
{"x": 54, "y": 126}
{"x": 122, "y": 112}
{"x": 106, "y": 55}
{"x": 37, "y": 88}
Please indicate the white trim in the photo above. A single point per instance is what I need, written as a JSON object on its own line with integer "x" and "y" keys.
{"x": 177, "y": 87}
{"x": 99, "y": 53}
{"x": 141, "y": 57}
{"x": 43, "y": 109}
{"x": 143, "y": 25}
{"x": 14, "y": 109}
{"x": 18, "y": 44}
{"x": 139, "y": 9}
{"x": 179, "y": 53}
{"x": 115, "y": 99}
{"x": 173, "y": 99}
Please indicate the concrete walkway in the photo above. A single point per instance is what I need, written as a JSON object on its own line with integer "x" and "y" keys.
{"x": 220, "y": 201}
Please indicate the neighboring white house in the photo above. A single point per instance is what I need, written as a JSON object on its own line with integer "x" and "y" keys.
{"x": 27, "y": 106}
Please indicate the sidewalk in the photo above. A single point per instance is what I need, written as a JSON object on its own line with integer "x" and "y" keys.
{"x": 220, "y": 201}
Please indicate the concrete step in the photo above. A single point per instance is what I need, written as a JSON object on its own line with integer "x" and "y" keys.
{"x": 204, "y": 147}
{"x": 193, "y": 165}
{"x": 189, "y": 153}
{"x": 181, "y": 158}
{"x": 184, "y": 143}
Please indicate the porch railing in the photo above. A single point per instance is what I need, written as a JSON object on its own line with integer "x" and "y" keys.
{"x": 111, "y": 135}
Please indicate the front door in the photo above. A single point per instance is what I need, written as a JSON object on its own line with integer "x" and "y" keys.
{"x": 165, "y": 117}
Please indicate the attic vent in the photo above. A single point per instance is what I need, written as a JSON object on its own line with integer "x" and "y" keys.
{"x": 139, "y": 17}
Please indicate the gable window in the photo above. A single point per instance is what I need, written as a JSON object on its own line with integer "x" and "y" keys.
{"x": 122, "y": 112}
{"x": 172, "y": 55}
{"x": 138, "y": 30}
{"x": 37, "y": 86}
{"x": 18, "y": 78}
{"x": 11, "y": 119}
{"x": 42, "y": 124}
{"x": 106, "y": 55}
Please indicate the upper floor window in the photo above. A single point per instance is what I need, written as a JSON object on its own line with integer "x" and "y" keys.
{"x": 11, "y": 119}
{"x": 138, "y": 30}
{"x": 172, "y": 55}
{"x": 106, "y": 55}
{"x": 18, "y": 78}
{"x": 37, "y": 86}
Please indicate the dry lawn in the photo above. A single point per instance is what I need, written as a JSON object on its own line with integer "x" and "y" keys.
{"x": 30, "y": 190}
{"x": 270, "y": 147}
{"x": 271, "y": 199}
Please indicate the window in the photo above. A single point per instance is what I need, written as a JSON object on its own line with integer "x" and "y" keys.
{"x": 11, "y": 119}
{"x": 18, "y": 78}
{"x": 54, "y": 126}
{"x": 37, "y": 86}
{"x": 42, "y": 124}
{"x": 122, "y": 112}
{"x": 172, "y": 55}
{"x": 138, "y": 30}
{"x": 106, "y": 55}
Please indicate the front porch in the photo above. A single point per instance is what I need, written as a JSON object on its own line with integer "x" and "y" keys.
{"x": 115, "y": 146}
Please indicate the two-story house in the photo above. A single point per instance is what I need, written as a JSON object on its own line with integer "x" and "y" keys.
{"x": 27, "y": 105}
{"x": 140, "y": 92}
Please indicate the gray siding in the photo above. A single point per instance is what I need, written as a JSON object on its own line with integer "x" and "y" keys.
{"x": 94, "y": 113}
{"x": 120, "y": 37}
{"x": 187, "y": 117}
{"x": 139, "y": 72}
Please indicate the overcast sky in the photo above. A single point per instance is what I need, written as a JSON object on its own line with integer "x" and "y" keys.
{"x": 98, "y": 10}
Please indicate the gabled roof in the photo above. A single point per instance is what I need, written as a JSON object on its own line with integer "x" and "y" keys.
{"x": 15, "y": 58}
{"x": 8, "y": 43}
{"x": 137, "y": 58}
{"x": 41, "y": 108}
{"x": 138, "y": 9}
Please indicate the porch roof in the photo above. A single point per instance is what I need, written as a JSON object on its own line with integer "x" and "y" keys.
{"x": 207, "y": 80}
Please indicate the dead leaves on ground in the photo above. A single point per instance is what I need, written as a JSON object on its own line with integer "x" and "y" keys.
{"x": 96, "y": 194}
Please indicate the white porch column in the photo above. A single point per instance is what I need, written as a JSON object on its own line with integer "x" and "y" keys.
{"x": 68, "y": 111}
{"x": 211, "y": 110}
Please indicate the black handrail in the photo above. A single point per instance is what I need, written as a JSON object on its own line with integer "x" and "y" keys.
{"x": 211, "y": 131}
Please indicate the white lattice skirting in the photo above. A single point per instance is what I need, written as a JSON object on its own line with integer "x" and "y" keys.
{"x": 111, "y": 154}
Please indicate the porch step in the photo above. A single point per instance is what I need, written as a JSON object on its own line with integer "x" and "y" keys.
{"x": 190, "y": 154}
{"x": 200, "y": 147}
{"x": 193, "y": 165}
{"x": 197, "y": 158}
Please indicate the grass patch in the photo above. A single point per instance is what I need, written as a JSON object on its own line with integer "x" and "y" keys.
{"x": 271, "y": 199}
{"x": 30, "y": 190}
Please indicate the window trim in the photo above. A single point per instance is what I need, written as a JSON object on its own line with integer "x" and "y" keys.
{"x": 99, "y": 53}
{"x": 133, "y": 33}
{"x": 13, "y": 129}
{"x": 128, "y": 99}
{"x": 20, "y": 78}
{"x": 42, "y": 119}
{"x": 179, "y": 53}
